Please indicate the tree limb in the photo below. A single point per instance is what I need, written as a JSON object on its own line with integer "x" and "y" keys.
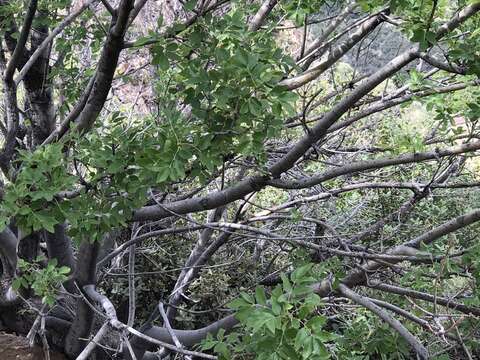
{"x": 46, "y": 42}
{"x": 22, "y": 40}
{"x": 258, "y": 19}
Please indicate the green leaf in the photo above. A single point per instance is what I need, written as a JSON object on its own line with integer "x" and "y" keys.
{"x": 301, "y": 338}
{"x": 53, "y": 262}
{"x": 260, "y": 295}
{"x": 144, "y": 40}
{"x": 238, "y": 303}
{"x": 287, "y": 286}
{"x": 163, "y": 175}
{"x": 271, "y": 325}
{"x": 17, "y": 284}
{"x": 222, "y": 349}
{"x": 316, "y": 323}
{"x": 246, "y": 297}
{"x": 190, "y": 5}
{"x": 160, "y": 59}
{"x": 300, "y": 273}
{"x": 64, "y": 270}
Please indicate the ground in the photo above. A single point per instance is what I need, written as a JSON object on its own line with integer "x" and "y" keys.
{"x": 14, "y": 347}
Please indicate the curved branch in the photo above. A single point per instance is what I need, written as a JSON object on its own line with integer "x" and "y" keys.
{"x": 401, "y": 312}
{"x": 190, "y": 337}
{"x": 8, "y": 257}
{"x": 102, "y": 300}
{"x": 400, "y": 253}
{"x": 387, "y": 104}
{"x": 154, "y": 336}
{"x": 84, "y": 355}
{"x": 359, "y": 276}
{"x": 255, "y": 183}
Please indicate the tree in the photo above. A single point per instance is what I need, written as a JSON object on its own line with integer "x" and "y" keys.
{"x": 242, "y": 123}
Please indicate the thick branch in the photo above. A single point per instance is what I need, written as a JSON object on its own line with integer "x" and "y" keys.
{"x": 85, "y": 274}
{"x": 374, "y": 164}
{"x": 360, "y": 276}
{"x": 59, "y": 246}
{"x": 148, "y": 338}
{"x": 8, "y": 251}
{"x": 261, "y": 15}
{"x": 255, "y": 183}
{"x": 190, "y": 337}
{"x": 106, "y": 67}
{"x": 72, "y": 116}
{"x": 84, "y": 355}
{"x": 446, "y": 228}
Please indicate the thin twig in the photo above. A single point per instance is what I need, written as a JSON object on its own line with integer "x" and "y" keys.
{"x": 84, "y": 355}
{"x": 166, "y": 323}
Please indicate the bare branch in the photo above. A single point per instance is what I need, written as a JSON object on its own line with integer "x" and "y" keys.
{"x": 72, "y": 116}
{"x": 131, "y": 286}
{"x": 84, "y": 355}
{"x": 446, "y": 228}
{"x": 169, "y": 328}
{"x": 443, "y": 66}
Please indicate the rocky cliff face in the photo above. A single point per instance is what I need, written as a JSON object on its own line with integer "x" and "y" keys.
{"x": 383, "y": 44}
{"x": 377, "y": 49}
